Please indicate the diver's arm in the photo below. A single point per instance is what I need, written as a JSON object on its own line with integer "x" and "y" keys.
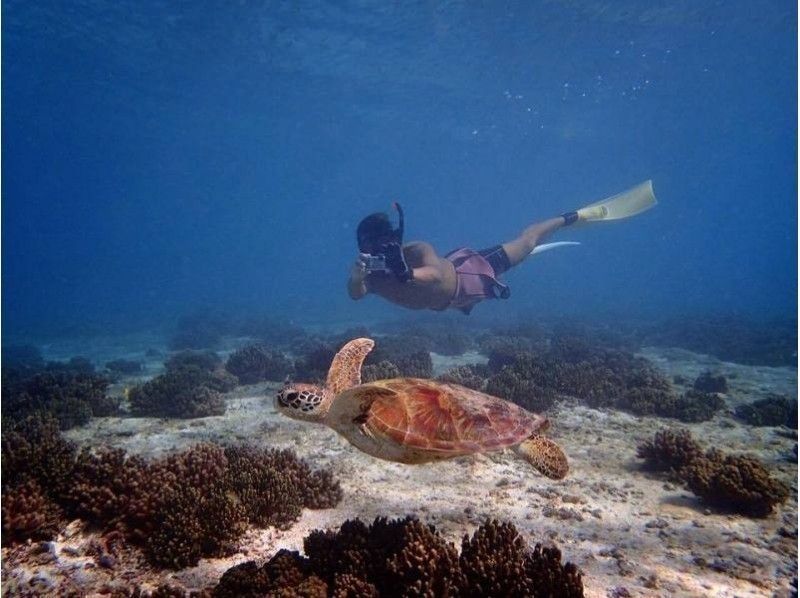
{"x": 357, "y": 285}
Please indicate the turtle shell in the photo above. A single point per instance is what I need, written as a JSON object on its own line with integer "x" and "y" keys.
{"x": 436, "y": 417}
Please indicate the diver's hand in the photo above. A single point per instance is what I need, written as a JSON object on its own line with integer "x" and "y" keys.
{"x": 359, "y": 270}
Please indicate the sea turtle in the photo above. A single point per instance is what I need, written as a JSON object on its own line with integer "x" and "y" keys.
{"x": 412, "y": 420}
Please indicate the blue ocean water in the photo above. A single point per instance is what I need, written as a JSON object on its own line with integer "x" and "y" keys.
{"x": 163, "y": 157}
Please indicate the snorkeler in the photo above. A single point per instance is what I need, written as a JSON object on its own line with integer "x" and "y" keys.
{"x": 414, "y": 276}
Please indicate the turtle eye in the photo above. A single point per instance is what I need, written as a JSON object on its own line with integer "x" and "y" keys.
{"x": 286, "y": 398}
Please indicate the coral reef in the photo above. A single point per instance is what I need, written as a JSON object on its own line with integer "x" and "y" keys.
{"x": 29, "y": 514}
{"x": 730, "y": 338}
{"x": 415, "y": 365}
{"x": 273, "y": 332}
{"x": 774, "y": 410}
{"x": 183, "y": 392}
{"x": 204, "y": 360}
{"x": 103, "y": 483}
{"x": 198, "y": 331}
{"x": 405, "y": 557}
{"x": 178, "y": 509}
{"x": 444, "y": 339}
{"x": 22, "y": 357}
{"x": 314, "y": 361}
{"x": 379, "y": 371}
{"x": 735, "y": 483}
{"x": 37, "y": 471}
{"x": 185, "y": 509}
{"x": 599, "y": 377}
{"x": 502, "y": 350}
{"x": 525, "y": 382}
{"x": 472, "y": 376}
{"x": 398, "y": 348}
{"x": 124, "y": 367}
{"x": 286, "y": 574}
{"x": 709, "y": 382}
{"x": 74, "y": 366}
{"x": 71, "y": 398}
{"x": 33, "y": 449}
{"x": 274, "y": 486}
{"x": 694, "y": 406}
{"x": 255, "y": 363}
{"x": 669, "y": 450}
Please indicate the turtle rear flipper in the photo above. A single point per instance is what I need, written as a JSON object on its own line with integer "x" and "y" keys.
{"x": 545, "y": 456}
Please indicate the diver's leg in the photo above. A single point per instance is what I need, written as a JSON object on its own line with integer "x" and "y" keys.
{"x": 521, "y": 247}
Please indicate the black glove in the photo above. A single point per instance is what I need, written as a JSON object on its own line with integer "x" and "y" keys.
{"x": 396, "y": 263}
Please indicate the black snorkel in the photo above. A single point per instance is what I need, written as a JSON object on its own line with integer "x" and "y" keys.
{"x": 401, "y": 221}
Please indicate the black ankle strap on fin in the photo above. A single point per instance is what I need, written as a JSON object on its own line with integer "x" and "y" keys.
{"x": 570, "y": 218}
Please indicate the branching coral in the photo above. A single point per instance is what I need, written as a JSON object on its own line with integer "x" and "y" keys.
{"x": 197, "y": 331}
{"x": 415, "y": 365}
{"x": 669, "y": 450}
{"x": 696, "y": 406}
{"x": 256, "y": 363}
{"x": 274, "y": 486}
{"x": 708, "y": 382}
{"x": 497, "y": 563}
{"x": 731, "y": 338}
{"x": 729, "y": 482}
{"x": 397, "y": 348}
{"x": 287, "y": 574}
{"x": 25, "y": 357}
{"x": 184, "y": 392}
{"x": 179, "y": 508}
{"x": 205, "y": 360}
{"x": 405, "y": 557}
{"x": 774, "y": 410}
{"x": 599, "y": 377}
{"x": 314, "y": 361}
{"x": 37, "y": 470}
{"x": 102, "y": 485}
{"x": 472, "y": 376}
{"x": 28, "y": 513}
{"x": 124, "y": 366}
{"x": 71, "y": 398}
{"x": 735, "y": 482}
{"x": 502, "y": 350}
{"x": 383, "y": 370}
{"x": 33, "y": 449}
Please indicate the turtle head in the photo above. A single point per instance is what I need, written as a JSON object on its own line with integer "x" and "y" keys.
{"x": 310, "y": 402}
{"x": 307, "y": 402}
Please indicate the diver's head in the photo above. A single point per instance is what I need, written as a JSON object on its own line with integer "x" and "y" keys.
{"x": 374, "y": 232}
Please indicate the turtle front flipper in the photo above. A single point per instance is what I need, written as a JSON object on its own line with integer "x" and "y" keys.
{"x": 544, "y": 455}
{"x": 345, "y": 370}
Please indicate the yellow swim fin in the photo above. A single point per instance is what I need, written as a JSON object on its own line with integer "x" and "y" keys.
{"x": 623, "y": 205}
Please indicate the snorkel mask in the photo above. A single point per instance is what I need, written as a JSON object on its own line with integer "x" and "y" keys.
{"x": 376, "y": 231}
{"x": 383, "y": 244}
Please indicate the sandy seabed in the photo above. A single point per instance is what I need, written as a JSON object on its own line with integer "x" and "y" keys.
{"x": 631, "y": 533}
